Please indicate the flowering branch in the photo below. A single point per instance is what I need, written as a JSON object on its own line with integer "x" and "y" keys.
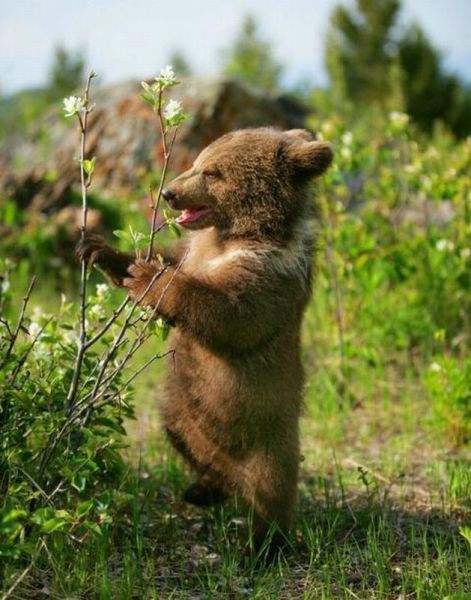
{"x": 81, "y": 108}
{"x": 169, "y": 116}
{"x": 101, "y": 384}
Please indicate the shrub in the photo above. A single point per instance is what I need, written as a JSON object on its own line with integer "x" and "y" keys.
{"x": 65, "y": 384}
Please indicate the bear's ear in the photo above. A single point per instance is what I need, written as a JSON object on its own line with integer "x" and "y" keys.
{"x": 310, "y": 158}
{"x": 300, "y": 134}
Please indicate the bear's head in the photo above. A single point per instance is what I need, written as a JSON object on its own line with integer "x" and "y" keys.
{"x": 250, "y": 183}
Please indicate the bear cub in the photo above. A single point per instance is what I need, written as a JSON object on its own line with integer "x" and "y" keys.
{"x": 235, "y": 290}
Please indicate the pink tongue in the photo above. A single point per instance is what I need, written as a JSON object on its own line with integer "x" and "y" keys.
{"x": 192, "y": 214}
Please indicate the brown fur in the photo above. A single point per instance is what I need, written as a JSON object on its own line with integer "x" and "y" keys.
{"x": 236, "y": 291}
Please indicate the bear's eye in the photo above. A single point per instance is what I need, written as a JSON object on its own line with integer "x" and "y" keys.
{"x": 212, "y": 173}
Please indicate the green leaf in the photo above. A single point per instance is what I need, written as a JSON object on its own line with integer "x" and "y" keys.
{"x": 53, "y": 525}
{"x": 114, "y": 425}
{"x": 84, "y": 507}
{"x": 165, "y": 331}
{"x": 175, "y": 229}
{"x": 465, "y": 531}
{"x": 14, "y": 515}
{"x": 149, "y": 98}
{"x": 164, "y": 328}
{"x": 89, "y": 165}
{"x": 79, "y": 483}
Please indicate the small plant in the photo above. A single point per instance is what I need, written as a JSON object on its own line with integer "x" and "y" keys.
{"x": 449, "y": 385}
{"x": 65, "y": 384}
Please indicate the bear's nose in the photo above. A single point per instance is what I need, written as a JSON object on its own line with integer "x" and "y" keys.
{"x": 169, "y": 195}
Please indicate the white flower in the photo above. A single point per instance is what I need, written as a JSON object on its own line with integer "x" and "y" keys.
{"x": 346, "y": 153}
{"x": 327, "y": 129}
{"x": 167, "y": 75}
{"x": 347, "y": 138}
{"x": 34, "y": 329}
{"x": 173, "y": 112}
{"x": 71, "y": 337}
{"x": 97, "y": 312}
{"x": 101, "y": 290}
{"x": 426, "y": 182}
{"x": 73, "y": 105}
{"x": 37, "y": 313}
{"x": 41, "y": 352}
{"x": 465, "y": 253}
{"x": 432, "y": 152}
{"x": 445, "y": 245}
{"x": 435, "y": 367}
{"x": 398, "y": 119}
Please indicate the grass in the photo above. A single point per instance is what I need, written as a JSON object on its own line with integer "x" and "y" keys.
{"x": 381, "y": 502}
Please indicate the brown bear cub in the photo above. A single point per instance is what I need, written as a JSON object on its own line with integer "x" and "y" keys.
{"x": 235, "y": 290}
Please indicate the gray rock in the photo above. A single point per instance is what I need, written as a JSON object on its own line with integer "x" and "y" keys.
{"x": 40, "y": 171}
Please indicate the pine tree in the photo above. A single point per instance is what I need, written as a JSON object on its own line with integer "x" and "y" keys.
{"x": 180, "y": 63}
{"x": 371, "y": 63}
{"x": 250, "y": 58}
{"x": 431, "y": 93}
{"x": 360, "y": 51}
{"x": 66, "y": 73}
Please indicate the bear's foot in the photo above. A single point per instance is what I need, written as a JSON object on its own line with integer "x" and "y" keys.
{"x": 201, "y": 493}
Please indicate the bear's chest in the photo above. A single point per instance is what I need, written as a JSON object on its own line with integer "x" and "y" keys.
{"x": 208, "y": 257}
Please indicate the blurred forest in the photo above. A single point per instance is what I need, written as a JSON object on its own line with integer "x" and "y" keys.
{"x": 384, "y": 507}
{"x": 371, "y": 61}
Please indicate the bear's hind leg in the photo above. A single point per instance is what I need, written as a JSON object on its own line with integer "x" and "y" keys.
{"x": 270, "y": 487}
{"x": 207, "y": 489}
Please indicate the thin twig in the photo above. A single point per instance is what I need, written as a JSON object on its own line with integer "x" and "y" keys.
{"x": 123, "y": 330}
{"x": 167, "y": 152}
{"x": 49, "y": 451}
{"x": 330, "y": 259}
{"x": 107, "y": 325}
{"x": 133, "y": 349}
{"x": 36, "y": 485}
{"x": 7, "y": 326}
{"x": 23, "y": 574}
{"x": 135, "y": 374}
{"x": 90, "y": 400}
{"x": 93, "y": 404}
{"x": 23, "y": 359}
{"x": 85, "y": 181}
{"x": 139, "y": 339}
{"x": 19, "y": 322}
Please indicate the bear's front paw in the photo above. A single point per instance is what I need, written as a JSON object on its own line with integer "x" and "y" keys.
{"x": 141, "y": 285}
{"x": 92, "y": 249}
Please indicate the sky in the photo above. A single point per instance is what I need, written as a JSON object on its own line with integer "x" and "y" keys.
{"x": 124, "y": 39}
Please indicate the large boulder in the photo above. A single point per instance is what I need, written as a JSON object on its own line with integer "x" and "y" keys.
{"x": 40, "y": 171}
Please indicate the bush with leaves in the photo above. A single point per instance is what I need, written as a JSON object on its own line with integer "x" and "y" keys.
{"x": 397, "y": 269}
{"x": 65, "y": 382}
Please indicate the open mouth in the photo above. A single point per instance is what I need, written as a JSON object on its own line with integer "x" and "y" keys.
{"x": 190, "y": 215}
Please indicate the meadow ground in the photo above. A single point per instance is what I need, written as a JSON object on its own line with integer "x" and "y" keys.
{"x": 382, "y": 499}
{"x": 384, "y": 507}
